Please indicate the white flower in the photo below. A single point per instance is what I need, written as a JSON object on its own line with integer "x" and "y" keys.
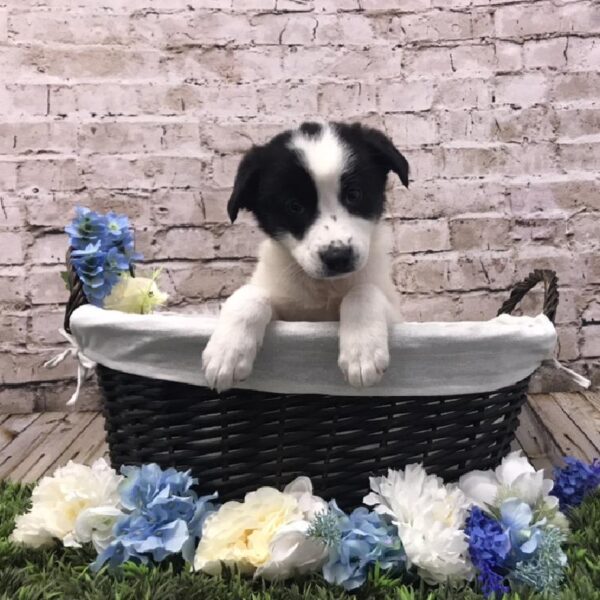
{"x": 514, "y": 478}
{"x": 430, "y": 519}
{"x": 292, "y": 550}
{"x": 77, "y": 504}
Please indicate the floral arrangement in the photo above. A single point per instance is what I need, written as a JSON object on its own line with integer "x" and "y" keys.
{"x": 501, "y": 528}
{"x": 103, "y": 254}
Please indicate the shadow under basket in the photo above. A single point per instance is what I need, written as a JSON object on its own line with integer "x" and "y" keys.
{"x": 241, "y": 439}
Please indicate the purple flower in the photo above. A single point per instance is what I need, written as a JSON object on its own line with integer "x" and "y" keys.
{"x": 489, "y": 546}
{"x": 575, "y": 481}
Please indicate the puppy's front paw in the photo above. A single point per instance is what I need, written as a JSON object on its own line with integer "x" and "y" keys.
{"x": 363, "y": 359}
{"x": 228, "y": 359}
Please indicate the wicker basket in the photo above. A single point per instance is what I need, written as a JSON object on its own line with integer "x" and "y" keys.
{"x": 240, "y": 439}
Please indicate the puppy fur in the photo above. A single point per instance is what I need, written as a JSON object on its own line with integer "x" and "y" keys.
{"x": 318, "y": 192}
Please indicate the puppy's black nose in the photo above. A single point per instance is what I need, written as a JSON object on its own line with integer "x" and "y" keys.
{"x": 337, "y": 259}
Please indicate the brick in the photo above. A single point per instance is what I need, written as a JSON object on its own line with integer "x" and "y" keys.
{"x": 438, "y": 25}
{"x": 478, "y": 306}
{"x": 509, "y": 56}
{"x": 427, "y": 63}
{"x": 69, "y": 28}
{"x": 12, "y": 211}
{"x": 575, "y": 87}
{"x": 14, "y": 401}
{"x": 407, "y": 96}
{"x": 8, "y": 175}
{"x": 354, "y": 30}
{"x": 426, "y": 275}
{"x": 215, "y": 280}
{"x": 294, "y": 5}
{"x": 48, "y": 174}
{"x": 143, "y": 172}
{"x": 11, "y": 248}
{"x": 35, "y": 138}
{"x": 540, "y": 229}
{"x": 590, "y": 341}
{"x": 12, "y": 285}
{"x": 545, "y": 17}
{"x": 583, "y": 228}
{"x": 407, "y": 5}
{"x": 425, "y": 307}
{"x": 326, "y": 6}
{"x": 559, "y": 195}
{"x": 289, "y": 99}
{"x": 43, "y": 62}
{"x": 3, "y": 25}
{"x": 583, "y": 54}
{"x": 502, "y": 125}
{"x": 13, "y": 327}
{"x": 493, "y": 271}
{"x": 133, "y": 136}
{"x": 23, "y": 99}
{"x": 45, "y": 324}
{"x": 473, "y": 60}
{"x": 580, "y": 157}
{"x": 521, "y": 90}
{"x": 568, "y": 343}
{"x": 463, "y": 93}
{"x": 346, "y": 100}
{"x": 425, "y": 164}
{"x": 483, "y": 231}
{"x": 421, "y": 236}
{"x": 412, "y": 129}
{"x": 52, "y": 396}
{"x": 578, "y": 122}
{"x": 178, "y": 207}
{"x": 49, "y": 249}
{"x": 46, "y": 286}
{"x": 546, "y": 53}
{"x": 21, "y": 367}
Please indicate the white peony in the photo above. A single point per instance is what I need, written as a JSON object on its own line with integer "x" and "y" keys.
{"x": 292, "y": 550}
{"x": 515, "y": 477}
{"x": 76, "y": 504}
{"x": 430, "y": 518}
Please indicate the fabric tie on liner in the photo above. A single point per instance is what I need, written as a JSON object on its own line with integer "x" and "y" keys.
{"x": 85, "y": 366}
{"x": 580, "y": 380}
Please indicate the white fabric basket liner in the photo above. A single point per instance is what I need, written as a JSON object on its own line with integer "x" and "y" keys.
{"x": 426, "y": 359}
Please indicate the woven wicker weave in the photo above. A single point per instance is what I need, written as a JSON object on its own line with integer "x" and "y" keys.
{"x": 238, "y": 440}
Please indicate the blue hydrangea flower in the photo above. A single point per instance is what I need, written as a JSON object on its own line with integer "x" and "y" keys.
{"x": 103, "y": 248}
{"x": 575, "y": 481}
{"x": 489, "y": 546}
{"x": 88, "y": 227}
{"x": 164, "y": 517}
{"x": 365, "y": 539}
{"x": 516, "y": 518}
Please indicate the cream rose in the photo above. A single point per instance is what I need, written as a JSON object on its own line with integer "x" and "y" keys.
{"x": 240, "y": 533}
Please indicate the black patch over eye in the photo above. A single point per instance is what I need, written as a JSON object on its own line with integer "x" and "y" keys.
{"x": 294, "y": 207}
{"x": 352, "y": 196}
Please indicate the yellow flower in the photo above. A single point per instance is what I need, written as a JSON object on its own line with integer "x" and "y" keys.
{"x": 138, "y": 295}
{"x": 240, "y": 533}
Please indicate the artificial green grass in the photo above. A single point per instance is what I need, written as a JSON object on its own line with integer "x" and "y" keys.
{"x": 62, "y": 574}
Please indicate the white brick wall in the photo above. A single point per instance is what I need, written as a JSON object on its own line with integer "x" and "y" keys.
{"x": 145, "y": 106}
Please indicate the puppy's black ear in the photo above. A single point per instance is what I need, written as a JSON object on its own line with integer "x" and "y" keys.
{"x": 386, "y": 153}
{"x": 245, "y": 186}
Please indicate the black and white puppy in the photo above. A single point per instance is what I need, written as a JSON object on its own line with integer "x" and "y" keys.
{"x": 318, "y": 192}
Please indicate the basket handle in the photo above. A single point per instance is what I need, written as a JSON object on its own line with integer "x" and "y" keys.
{"x": 77, "y": 297}
{"x": 551, "y": 295}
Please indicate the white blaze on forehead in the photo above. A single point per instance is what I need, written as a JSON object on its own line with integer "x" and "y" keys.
{"x": 324, "y": 155}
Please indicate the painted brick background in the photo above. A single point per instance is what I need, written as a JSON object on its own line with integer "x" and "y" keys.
{"x": 145, "y": 106}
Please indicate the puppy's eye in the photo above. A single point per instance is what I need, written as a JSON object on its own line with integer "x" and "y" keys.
{"x": 353, "y": 196}
{"x": 294, "y": 207}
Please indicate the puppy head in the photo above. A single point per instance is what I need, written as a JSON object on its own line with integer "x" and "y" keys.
{"x": 319, "y": 190}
